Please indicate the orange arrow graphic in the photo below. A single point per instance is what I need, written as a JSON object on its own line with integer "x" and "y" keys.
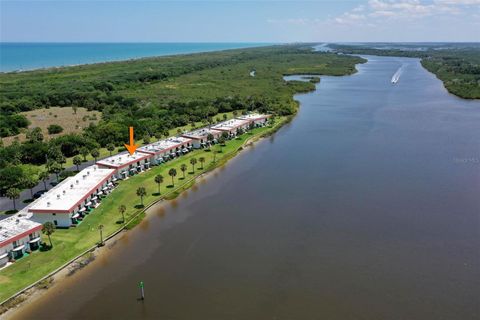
{"x": 132, "y": 146}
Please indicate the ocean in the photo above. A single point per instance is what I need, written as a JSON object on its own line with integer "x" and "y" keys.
{"x": 29, "y": 56}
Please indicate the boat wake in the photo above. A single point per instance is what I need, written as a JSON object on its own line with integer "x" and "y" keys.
{"x": 397, "y": 75}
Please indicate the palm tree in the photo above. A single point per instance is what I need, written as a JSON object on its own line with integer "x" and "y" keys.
{"x": 13, "y": 194}
{"x": 159, "y": 135}
{"x": 172, "y": 173}
{"x": 122, "y": 210}
{"x": 84, "y": 152}
{"x": 146, "y": 138}
{"x": 225, "y": 135}
{"x": 95, "y": 154}
{"x": 48, "y": 228}
{"x": 222, "y": 140}
{"x": 210, "y": 137}
{"x": 193, "y": 162}
{"x": 183, "y": 167}
{"x": 110, "y": 148}
{"x": 141, "y": 192}
{"x": 100, "y": 228}
{"x": 158, "y": 180}
{"x": 201, "y": 160}
{"x": 44, "y": 175}
{"x": 77, "y": 161}
{"x": 221, "y": 143}
{"x": 55, "y": 167}
{"x": 31, "y": 182}
{"x": 62, "y": 160}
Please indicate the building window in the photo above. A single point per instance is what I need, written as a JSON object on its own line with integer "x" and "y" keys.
{"x": 55, "y": 222}
{"x": 54, "y": 214}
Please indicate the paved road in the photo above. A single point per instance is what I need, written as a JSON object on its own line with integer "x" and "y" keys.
{"x": 7, "y": 204}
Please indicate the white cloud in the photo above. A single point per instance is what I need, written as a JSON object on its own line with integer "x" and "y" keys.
{"x": 458, "y": 2}
{"x": 360, "y": 8}
{"x": 382, "y": 13}
{"x": 349, "y": 18}
{"x": 403, "y": 9}
{"x": 374, "y": 12}
{"x": 293, "y": 21}
{"x": 394, "y": 20}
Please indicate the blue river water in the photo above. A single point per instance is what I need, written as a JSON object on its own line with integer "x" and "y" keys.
{"x": 28, "y": 56}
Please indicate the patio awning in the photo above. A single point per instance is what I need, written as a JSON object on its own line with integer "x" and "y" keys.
{"x": 19, "y": 248}
{"x": 110, "y": 184}
{"x": 82, "y": 209}
{"x": 104, "y": 188}
{"x": 124, "y": 172}
{"x": 34, "y": 240}
{"x": 147, "y": 163}
{"x": 100, "y": 193}
{"x": 114, "y": 179}
{"x": 89, "y": 203}
{"x": 94, "y": 198}
{"x": 4, "y": 255}
{"x": 75, "y": 216}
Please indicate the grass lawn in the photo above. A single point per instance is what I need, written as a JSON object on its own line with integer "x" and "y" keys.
{"x": 69, "y": 243}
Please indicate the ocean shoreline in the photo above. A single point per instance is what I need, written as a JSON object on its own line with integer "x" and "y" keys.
{"x": 126, "y": 58}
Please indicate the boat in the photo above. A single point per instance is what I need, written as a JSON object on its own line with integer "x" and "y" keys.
{"x": 397, "y": 75}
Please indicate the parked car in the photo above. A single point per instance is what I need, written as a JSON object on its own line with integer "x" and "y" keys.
{"x": 38, "y": 194}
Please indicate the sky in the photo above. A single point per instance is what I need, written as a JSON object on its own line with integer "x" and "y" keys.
{"x": 239, "y": 21}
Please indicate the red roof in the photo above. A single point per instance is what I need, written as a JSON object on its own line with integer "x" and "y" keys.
{"x": 76, "y": 204}
{"x": 20, "y": 236}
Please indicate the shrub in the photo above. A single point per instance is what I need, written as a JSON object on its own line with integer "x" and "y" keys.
{"x": 54, "y": 128}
